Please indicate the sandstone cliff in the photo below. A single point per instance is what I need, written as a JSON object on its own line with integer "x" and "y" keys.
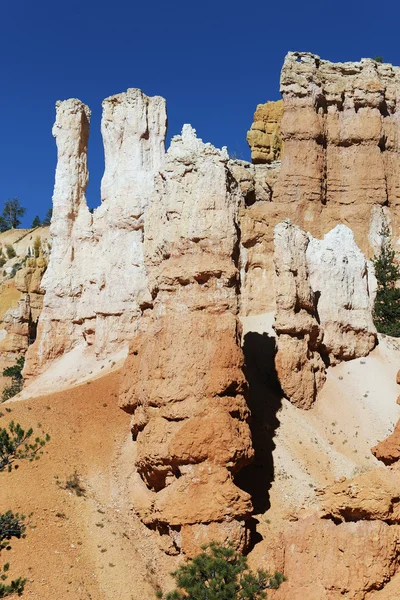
{"x": 340, "y": 165}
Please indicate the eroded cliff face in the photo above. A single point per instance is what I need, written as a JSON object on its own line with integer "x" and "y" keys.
{"x": 183, "y": 380}
{"x": 340, "y": 165}
{"x": 323, "y": 307}
{"x": 95, "y": 283}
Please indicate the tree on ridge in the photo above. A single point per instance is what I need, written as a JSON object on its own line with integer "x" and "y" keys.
{"x": 10, "y": 217}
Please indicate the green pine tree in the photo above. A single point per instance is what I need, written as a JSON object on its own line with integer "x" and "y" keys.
{"x": 387, "y": 301}
{"x": 220, "y": 573}
{"x": 47, "y": 220}
{"x": 10, "y": 218}
{"x": 36, "y": 222}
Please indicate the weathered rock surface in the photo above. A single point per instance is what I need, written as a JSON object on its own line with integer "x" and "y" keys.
{"x": 264, "y": 137}
{"x": 370, "y": 496}
{"x": 95, "y": 283}
{"x": 323, "y": 307}
{"x": 325, "y": 561}
{"x": 340, "y": 129}
{"x": 20, "y": 323}
{"x": 388, "y": 451}
{"x": 183, "y": 381}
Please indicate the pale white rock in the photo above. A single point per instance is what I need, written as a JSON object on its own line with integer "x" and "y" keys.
{"x": 191, "y": 227}
{"x": 96, "y": 282}
{"x": 340, "y": 278}
{"x": 324, "y": 298}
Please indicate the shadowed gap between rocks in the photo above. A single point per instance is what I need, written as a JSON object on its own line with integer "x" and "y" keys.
{"x": 264, "y": 400}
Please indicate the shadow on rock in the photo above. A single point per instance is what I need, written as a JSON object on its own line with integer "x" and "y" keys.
{"x": 264, "y": 400}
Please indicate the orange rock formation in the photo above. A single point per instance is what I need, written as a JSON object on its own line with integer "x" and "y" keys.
{"x": 183, "y": 382}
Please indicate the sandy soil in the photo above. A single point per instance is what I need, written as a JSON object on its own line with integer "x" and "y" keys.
{"x": 90, "y": 547}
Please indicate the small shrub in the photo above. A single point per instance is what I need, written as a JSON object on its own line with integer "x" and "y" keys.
{"x": 73, "y": 483}
{"x": 15, "y": 446}
{"x": 17, "y": 586}
{"x": 36, "y": 247}
{"x": 17, "y": 381}
{"x": 11, "y": 525}
{"x": 378, "y": 58}
{"x": 10, "y": 251}
{"x": 220, "y": 573}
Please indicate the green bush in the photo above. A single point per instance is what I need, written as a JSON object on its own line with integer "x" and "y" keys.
{"x": 17, "y": 381}
{"x": 378, "y": 58}
{"x": 15, "y": 446}
{"x": 11, "y": 525}
{"x": 387, "y": 302}
{"x": 220, "y": 573}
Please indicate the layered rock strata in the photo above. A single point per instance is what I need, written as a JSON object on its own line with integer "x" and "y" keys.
{"x": 95, "y": 283}
{"x": 340, "y": 129}
{"x": 183, "y": 382}
{"x": 264, "y": 136}
{"x": 323, "y": 307}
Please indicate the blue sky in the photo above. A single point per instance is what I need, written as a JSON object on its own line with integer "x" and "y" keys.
{"x": 213, "y": 61}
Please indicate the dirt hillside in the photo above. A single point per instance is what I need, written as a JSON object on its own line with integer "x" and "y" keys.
{"x": 89, "y": 547}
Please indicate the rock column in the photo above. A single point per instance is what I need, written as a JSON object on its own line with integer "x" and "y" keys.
{"x": 183, "y": 383}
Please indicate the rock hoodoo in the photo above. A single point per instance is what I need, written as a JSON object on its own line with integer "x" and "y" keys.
{"x": 323, "y": 307}
{"x": 95, "y": 283}
{"x": 183, "y": 382}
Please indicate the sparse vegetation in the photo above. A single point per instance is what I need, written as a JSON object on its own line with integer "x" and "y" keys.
{"x": 15, "y": 446}
{"x": 11, "y": 525}
{"x": 378, "y": 58}
{"x": 10, "y": 251}
{"x": 73, "y": 484}
{"x": 17, "y": 381}
{"x": 36, "y": 247}
{"x": 46, "y": 221}
{"x": 387, "y": 301}
{"x": 220, "y": 573}
{"x": 36, "y": 222}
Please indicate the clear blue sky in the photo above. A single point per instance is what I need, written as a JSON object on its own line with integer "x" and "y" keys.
{"x": 213, "y": 61}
